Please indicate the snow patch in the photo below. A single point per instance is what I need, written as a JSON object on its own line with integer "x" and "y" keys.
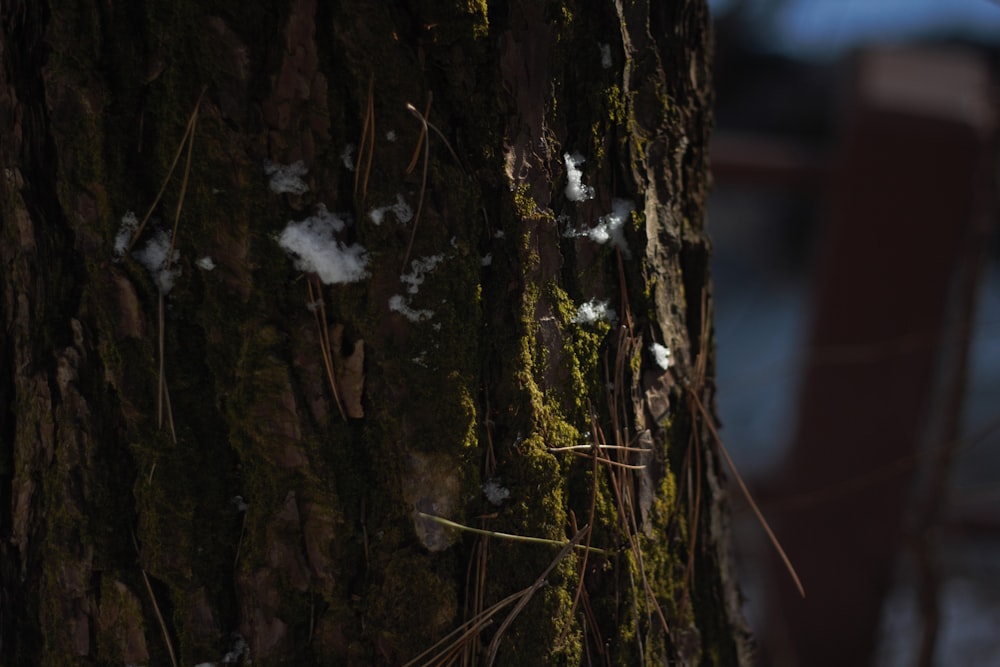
{"x": 661, "y": 355}
{"x": 313, "y": 248}
{"x": 594, "y": 310}
{"x": 575, "y": 189}
{"x": 154, "y": 257}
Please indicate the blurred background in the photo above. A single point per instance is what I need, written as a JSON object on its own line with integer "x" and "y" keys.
{"x": 857, "y": 310}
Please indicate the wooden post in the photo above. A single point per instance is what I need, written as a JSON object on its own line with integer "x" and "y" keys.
{"x": 902, "y": 196}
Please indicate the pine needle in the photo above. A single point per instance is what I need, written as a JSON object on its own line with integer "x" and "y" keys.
{"x": 170, "y": 172}
{"x": 324, "y": 341}
{"x": 749, "y": 498}
{"x": 508, "y": 536}
{"x": 156, "y": 608}
{"x": 366, "y": 149}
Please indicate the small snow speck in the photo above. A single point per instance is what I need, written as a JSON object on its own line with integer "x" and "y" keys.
{"x": 287, "y": 179}
{"x": 418, "y": 269}
{"x": 399, "y": 304}
{"x": 205, "y": 263}
{"x": 495, "y": 493}
{"x": 347, "y": 156}
{"x": 661, "y": 355}
{"x": 125, "y": 231}
{"x": 400, "y": 209}
{"x": 606, "y": 56}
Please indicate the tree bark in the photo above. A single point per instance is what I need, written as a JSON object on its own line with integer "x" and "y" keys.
{"x": 258, "y": 485}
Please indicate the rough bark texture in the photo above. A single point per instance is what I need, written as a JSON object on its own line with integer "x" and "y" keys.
{"x": 269, "y": 519}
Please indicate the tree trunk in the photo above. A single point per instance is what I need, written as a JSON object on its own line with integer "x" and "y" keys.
{"x": 258, "y": 463}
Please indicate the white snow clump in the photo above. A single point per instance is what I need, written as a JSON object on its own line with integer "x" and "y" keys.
{"x": 205, "y": 263}
{"x": 594, "y": 310}
{"x": 661, "y": 355}
{"x": 153, "y": 256}
{"x": 610, "y": 227}
{"x": 313, "y": 248}
{"x": 575, "y": 189}
{"x": 287, "y": 178}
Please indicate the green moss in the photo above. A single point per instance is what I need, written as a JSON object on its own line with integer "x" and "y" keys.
{"x": 615, "y": 105}
{"x": 635, "y": 362}
{"x": 478, "y": 11}
{"x": 581, "y": 354}
{"x": 524, "y": 204}
{"x": 429, "y": 611}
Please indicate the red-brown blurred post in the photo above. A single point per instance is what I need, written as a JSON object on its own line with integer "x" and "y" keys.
{"x": 902, "y": 193}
